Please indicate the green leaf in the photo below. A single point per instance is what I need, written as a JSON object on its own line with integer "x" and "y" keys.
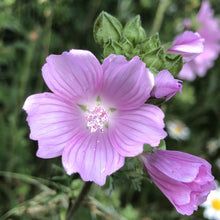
{"x": 106, "y": 27}
{"x": 112, "y": 47}
{"x": 133, "y": 30}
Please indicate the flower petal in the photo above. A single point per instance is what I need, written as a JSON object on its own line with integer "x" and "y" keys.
{"x": 129, "y": 130}
{"x": 126, "y": 85}
{"x": 74, "y": 75}
{"x": 93, "y": 157}
{"x": 171, "y": 189}
{"x": 166, "y": 85}
{"x": 189, "y": 44}
{"x": 53, "y": 122}
{"x": 188, "y": 72}
{"x": 171, "y": 163}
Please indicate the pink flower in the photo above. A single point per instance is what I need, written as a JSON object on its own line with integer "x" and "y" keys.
{"x": 210, "y": 31}
{"x": 166, "y": 85}
{"x": 96, "y": 114}
{"x": 188, "y": 44}
{"x": 186, "y": 180}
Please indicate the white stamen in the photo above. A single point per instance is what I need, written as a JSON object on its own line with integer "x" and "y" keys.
{"x": 97, "y": 118}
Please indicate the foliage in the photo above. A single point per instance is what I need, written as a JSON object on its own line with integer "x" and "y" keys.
{"x": 131, "y": 41}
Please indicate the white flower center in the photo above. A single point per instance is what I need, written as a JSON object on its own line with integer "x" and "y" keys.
{"x": 97, "y": 118}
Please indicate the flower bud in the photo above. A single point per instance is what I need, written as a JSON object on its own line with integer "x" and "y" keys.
{"x": 133, "y": 31}
{"x": 166, "y": 85}
{"x": 185, "y": 179}
{"x": 106, "y": 27}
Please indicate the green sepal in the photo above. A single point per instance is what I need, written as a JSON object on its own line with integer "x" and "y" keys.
{"x": 158, "y": 60}
{"x": 133, "y": 30}
{"x": 155, "y": 101}
{"x": 151, "y": 43}
{"x": 162, "y": 145}
{"x": 154, "y": 71}
{"x": 154, "y": 59}
{"x": 112, "y": 109}
{"x": 173, "y": 63}
{"x": 112, "y": 47}
{"x": 148, "y": 148}
{"x": 106, "y": 27}
{"x": 127, "y": 45}
{"x": 166, "y": 46}
{"x": 98, "y": 99}
{"x": 83, "y": 107}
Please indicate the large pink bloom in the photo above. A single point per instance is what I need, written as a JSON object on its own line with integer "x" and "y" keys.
{"x": 210, "y": 32}
{"x": 96, "y": 114}
{"x": 186, "y": 180}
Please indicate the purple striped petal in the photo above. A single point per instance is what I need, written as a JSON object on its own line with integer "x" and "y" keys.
{"x": 126, "y": 85}
{"x": 169, "y": 187}
{"x": 74, "y": 75}
{"x": 93, "y": 157}
{"x": 129, "y": 130}
{"x": 170, "y": 165}
{"x": 53, "y": 122}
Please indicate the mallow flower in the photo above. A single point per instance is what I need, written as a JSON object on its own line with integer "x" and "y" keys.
{"x": 95, "y": 115}
{"x": 185, "y": 179}
{"x": 166, "y": 85}
{"x": 208, "y": 28}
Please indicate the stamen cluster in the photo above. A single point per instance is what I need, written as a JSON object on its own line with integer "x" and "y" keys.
{"x": 97, "y": 118}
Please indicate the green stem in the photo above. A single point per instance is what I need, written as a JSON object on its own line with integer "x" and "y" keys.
{"x": 26, "y": 72}
{"x": 74, "y": 207}
{"x": 46, "y": 39}
{"x": 20, "y": 86}
{"x": 163, "y": 5}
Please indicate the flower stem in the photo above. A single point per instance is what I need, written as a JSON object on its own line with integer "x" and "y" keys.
{"x": 73, "y": 207}
{"x": 159, "y": 15}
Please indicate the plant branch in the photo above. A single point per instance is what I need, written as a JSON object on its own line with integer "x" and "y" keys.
{"x": 159, "y": 15}
{"x": 74, "y": 207}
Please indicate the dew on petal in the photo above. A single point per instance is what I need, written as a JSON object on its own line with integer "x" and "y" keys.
{"x": 103, "y": 170}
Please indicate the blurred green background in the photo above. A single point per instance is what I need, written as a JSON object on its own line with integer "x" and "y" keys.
{"x": 34, "y": 188}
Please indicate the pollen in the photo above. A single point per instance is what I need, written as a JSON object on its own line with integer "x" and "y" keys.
{"x": 216, "y": 204}
{"x": 97, "y": 118}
